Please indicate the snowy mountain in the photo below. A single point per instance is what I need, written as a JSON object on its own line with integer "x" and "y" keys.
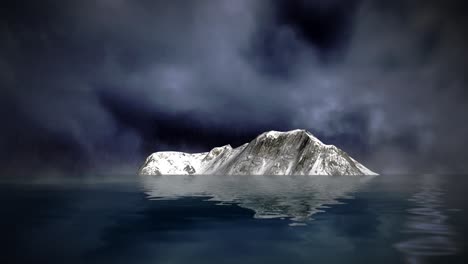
{"x": 295, "y": 152}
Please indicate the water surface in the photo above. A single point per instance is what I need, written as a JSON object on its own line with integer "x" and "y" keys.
{"x": 228, "y": 219}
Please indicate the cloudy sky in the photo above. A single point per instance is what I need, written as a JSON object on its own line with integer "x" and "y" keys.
{"x": 96, "y": 85}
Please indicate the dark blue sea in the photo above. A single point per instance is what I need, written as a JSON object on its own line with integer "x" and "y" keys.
{"x": 234, "y": 219}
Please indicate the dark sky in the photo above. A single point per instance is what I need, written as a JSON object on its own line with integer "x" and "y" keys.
{"x": 96, "y": 85}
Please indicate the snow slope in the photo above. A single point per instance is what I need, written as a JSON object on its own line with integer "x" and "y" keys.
{"x": 295, "y": 152}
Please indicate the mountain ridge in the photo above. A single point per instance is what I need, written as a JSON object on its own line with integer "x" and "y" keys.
{"x": 271, "y": 153}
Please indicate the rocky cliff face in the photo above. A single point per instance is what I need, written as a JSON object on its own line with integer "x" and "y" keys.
{"x": 295, "y": 152}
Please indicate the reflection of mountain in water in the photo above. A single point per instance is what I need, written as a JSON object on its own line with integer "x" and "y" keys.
{"x": 297, "y": 197}
{"x": 428, "y": 224}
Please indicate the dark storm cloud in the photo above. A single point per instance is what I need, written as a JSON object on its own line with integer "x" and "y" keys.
{"x": 106, "y": 82}
{"x": 413, "y": 57}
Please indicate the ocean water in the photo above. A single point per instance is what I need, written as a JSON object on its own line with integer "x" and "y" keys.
{"x": 235, "y": 219}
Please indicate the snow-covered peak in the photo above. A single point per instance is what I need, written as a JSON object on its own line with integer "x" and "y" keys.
{"x": 276, "y": 134}
{"x": 273, "y": 152}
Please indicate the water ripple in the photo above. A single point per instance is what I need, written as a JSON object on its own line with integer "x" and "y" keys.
{"x": 431, "y": 235}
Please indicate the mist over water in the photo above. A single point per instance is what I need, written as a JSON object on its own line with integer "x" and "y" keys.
{"x": 233, "y": 219}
